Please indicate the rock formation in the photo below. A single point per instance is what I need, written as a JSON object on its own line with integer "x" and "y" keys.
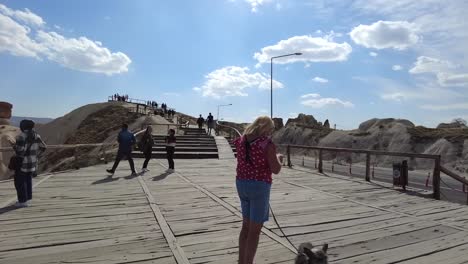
{"x": 7, "y": 137}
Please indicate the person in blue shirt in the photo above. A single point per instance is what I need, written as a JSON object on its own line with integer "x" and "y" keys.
{"x": 126, "y": 141}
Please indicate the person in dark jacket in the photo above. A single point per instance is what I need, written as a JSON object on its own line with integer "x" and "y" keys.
{"x": 170, "y": 149}
{"x": 200, "y": 122}
{"x": 126, "y": 141}
{"x": 29, "y": 146}
{"x": 147, "y": 144}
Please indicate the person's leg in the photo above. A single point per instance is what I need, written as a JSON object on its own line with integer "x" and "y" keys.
{"x": 28, "y": 181}
{"x": 147, "y": 159}
{"x": 117, "y": 161}
{"x": 243, "y": 240}
{"x": 253, "y": 236}
{"x": 20, "y": 186}
{"x": 130, "y": 161}
{"x": 259, "y": 197}
{"x": 171, "y": 160}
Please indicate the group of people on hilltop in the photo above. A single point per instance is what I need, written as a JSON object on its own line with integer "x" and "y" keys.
{"x": 209, "y": 123}
{"x": 257, "y": 160}
{"x": 120, "y": 98}
{"x": 127, "y": 141}
{"x": 153, "y": 104}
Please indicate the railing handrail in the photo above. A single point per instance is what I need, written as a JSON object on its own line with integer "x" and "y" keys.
{"x": 64, "y": 146}
{"x": 453, "y": 175}
{"x": 436, "y": 158}
{"x": 367, "y": 151}
{"x": 233, "y": 128}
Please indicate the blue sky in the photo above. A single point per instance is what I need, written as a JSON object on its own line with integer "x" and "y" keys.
{"x": 361, "y": 59}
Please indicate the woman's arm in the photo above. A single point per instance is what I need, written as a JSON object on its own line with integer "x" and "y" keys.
{"x": 273, "y": 159}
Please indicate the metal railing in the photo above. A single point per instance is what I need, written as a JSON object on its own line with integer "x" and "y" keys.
{"x": 236, "y": 132}
{"x": 438, "y": 168}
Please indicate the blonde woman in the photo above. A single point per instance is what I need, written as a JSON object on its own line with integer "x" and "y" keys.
{"x": 256, "y": 161}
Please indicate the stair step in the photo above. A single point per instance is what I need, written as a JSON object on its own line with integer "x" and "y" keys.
{"x": 181, "y": 155}
{"x": 187, "y": 149}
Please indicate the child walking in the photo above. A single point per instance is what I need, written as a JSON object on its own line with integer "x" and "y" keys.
{"x": 170, "y": 148}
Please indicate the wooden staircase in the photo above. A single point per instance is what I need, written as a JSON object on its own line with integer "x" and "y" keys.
{"x": 194, "y": 144}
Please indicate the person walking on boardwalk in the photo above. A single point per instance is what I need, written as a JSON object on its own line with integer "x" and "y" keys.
{"x": 256, "y": 161}
{"x": 210, "y": 123}
{"x": 126, "y": 141}
{"x": 170, "y": 148}
{"x": 28, "y": 146}
{"x": 146, "y": 146}
{"x": 200, "y": 122}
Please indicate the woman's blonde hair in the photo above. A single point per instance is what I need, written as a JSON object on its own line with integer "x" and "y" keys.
{"x": 260, "y": 127}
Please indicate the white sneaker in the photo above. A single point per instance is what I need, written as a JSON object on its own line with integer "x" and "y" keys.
{"x": 21, "y": 205}
{"x": 170, "y": 170}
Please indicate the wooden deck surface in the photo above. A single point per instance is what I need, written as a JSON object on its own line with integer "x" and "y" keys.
{"x": 192, "y": 216}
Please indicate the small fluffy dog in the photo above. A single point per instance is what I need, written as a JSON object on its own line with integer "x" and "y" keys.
{"x": 308, "y": 254}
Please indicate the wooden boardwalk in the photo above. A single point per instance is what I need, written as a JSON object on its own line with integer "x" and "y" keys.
{"x": 192, "y": 216}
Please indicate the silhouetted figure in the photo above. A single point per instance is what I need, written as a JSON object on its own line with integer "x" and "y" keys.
{"x": 200, "y": 122}
{"x": 146, "y": 146}
{"x": 210, "y": 123}
{"x": 326, "y": 124}
{"x": 126, "y": 141}
{"x": 170, "y": 148}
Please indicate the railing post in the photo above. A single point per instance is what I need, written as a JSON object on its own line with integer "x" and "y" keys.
{"x": 320, "y": 164}
{"x": 436, "y": 179}
{"x": 288, "y": 152}
{"x": 75, "y": 156}
{"x": 368, "y": 167}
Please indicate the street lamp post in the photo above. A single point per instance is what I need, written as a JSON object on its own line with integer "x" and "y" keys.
{"x": 271, "y": 78}
{"x": 217, "y": 116}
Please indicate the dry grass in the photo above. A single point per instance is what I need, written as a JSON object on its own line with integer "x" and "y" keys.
{"x": 424, "y": 134}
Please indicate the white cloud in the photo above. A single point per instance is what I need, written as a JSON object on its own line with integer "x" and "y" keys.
{"x": 373, "y": 54}
{"x": 445, "y": 71}
{"x": 426, "y": 64}
{"x": 233, "y": 81}
{"x": 456, "y": 106}
{"x": 318, "y": 102}
{"x": 320, "y": 80}
{"x": 25, "y": 16}
{"x": 397, "y": 68}
{"x": 311, "y": 95}
{"x": 14, "y": 39}
{"x": 397, "y": 96}
{"x": 448, "y": 79}
{"x": 386, "y": 34}
{"x": 254, "y": 4}
{"x": 293, "y": 115}
{"x": 313, "y": 49}
{"x": 264, "y": 111}
{"x": 80, "y": 54}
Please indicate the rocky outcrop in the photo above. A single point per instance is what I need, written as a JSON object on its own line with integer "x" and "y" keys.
{"x": 303, "y": 120}
{"x": 278, "y": 123}
{"x": 389, "y": 134}
{"x": 7, "y": 137}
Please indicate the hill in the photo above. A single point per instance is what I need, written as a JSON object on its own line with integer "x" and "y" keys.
{"x": 15, "y": 120}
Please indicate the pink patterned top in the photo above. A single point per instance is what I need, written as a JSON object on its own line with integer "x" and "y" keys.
{"x": 252, "y": 162}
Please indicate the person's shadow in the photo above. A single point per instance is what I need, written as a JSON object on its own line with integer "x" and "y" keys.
{"x": 161, "y": 176}
{"x": 105, "y": 180}
{"x": 8, "y": 209}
